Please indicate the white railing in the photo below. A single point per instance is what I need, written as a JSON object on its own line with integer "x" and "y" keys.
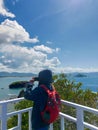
{"x": 79, "y": 120}
{"x": 5, "y": 114}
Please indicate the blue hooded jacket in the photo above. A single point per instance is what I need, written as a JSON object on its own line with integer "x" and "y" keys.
{"x": 39, "y": 96}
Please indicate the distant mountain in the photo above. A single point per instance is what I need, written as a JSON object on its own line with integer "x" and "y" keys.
{"x": 16, "y": 74}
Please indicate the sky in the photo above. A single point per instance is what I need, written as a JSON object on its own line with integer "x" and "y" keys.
{"x": 61, "y": 35}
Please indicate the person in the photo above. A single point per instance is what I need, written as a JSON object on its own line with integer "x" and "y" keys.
{"x": 39, "y": 97}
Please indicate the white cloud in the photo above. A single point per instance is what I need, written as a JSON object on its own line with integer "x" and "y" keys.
{"x": 11, "y": 31}
{"x": 57, "y": 49}
{"x": 14, "y": 2}
{"x": 46, "y": 49}
{"x": 73, "y": 69}
{"x": 4, "y": 68}
{"x": 14, "y": 57}
{"x": 4, "y": 11}
{"x": 49, "y": 42}
{"x": 54, "y": 62}
{"x": 23, "y": 59}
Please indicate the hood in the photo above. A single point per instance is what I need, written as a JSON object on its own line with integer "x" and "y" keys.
{"x": 45, "y": 77}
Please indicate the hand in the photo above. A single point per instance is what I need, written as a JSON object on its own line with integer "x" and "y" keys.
{"x": 21, "y": 94}
{"x": 32, "y": 80}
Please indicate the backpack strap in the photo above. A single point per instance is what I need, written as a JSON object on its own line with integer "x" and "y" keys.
{"x": 47, "y": 89}
{"x": 49, "y": 92}
{"x": 44, "y": 87}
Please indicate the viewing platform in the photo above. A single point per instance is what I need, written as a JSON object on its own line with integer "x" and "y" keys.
{"x": 78, "y": 119}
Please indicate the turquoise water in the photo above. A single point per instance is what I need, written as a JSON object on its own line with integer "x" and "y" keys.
{"x": 5, "y": 92}
{"x": 90, "y": 82}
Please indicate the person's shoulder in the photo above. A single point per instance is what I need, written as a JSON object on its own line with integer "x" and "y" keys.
{"x": 39, "y": 89}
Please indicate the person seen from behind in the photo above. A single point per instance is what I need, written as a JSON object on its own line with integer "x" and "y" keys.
{"x": 39, "y": 97}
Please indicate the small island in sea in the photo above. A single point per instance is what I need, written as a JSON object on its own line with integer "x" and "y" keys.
{"x": 80, "y": 75}
{"x": 17, "y": 84}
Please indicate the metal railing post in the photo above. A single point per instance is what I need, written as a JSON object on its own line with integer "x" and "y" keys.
{"x": 80, "y": 117}
{"x": 4, "y": 117}
{"x": 51, "y": 126}
{"x": 19, "y": 121}
{"x": 30, "y": 113}
{"x": 62, "y": 123}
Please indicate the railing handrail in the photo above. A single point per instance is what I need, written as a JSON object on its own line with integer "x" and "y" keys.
{"x": 11, "y": 100}
{"x": 79, "y": 120}
{"x": 84, "y": 108}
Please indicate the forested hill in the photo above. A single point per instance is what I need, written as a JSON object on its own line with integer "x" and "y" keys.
{"x": 15, "y": 74}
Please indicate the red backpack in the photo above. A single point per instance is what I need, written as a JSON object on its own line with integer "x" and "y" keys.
{"x": 52, "y": 108}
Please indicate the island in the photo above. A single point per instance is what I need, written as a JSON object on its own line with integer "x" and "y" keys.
{"x": 80, "y": 75}
{"x": 18, "y": 84}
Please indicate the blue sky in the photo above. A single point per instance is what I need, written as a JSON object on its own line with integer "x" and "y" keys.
{"x": 61, "y": 35}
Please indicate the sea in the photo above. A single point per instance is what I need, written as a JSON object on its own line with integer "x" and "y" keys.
{"x": 5, "y": 91}
{"x": 89, "y": 81}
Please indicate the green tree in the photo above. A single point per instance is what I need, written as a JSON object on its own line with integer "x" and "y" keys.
{"x": 72, "y": 91}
